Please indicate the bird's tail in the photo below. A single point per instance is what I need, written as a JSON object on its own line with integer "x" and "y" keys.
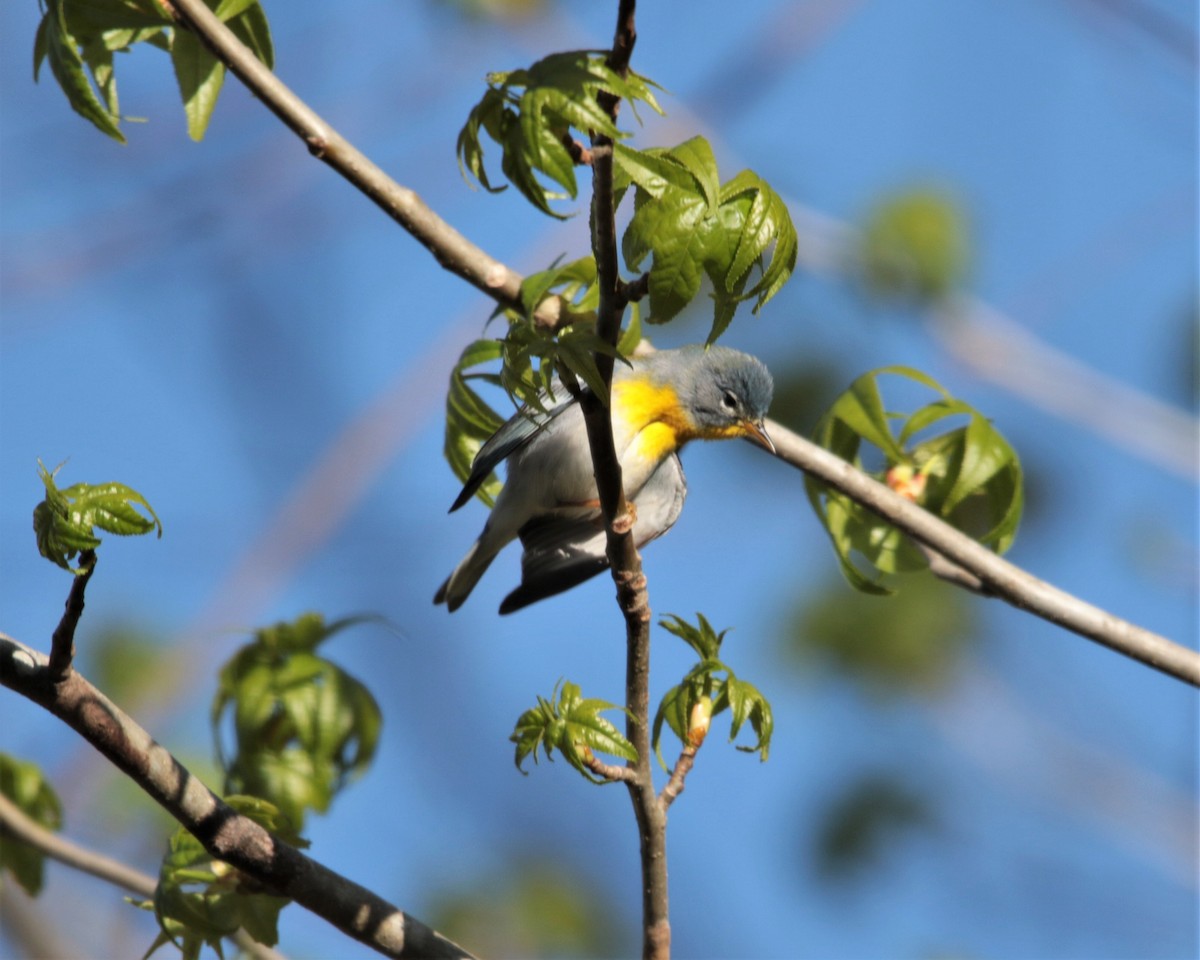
{"x": 461, "y": 582}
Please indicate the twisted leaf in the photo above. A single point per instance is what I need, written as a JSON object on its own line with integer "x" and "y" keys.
{"x": 65, "y": 522}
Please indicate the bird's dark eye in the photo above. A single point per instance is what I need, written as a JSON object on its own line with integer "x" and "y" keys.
{"x": 729, "y": 400}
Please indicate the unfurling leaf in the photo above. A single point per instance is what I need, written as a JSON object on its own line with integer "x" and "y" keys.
{"x": 65, "y": 522}
{"x": 969, "y": 476}
{"x": 706, "y": 690}
{"x": 573, "y": 726}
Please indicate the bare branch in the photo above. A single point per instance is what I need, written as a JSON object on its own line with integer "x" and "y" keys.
{"x": 19, "y": 825}
{"x": 995, "y": 575}
{"x": 228, "y": 836}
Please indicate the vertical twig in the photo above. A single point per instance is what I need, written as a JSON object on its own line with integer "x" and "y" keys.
{"x": 624, "y": 560}
{"x": 62, "y": 643}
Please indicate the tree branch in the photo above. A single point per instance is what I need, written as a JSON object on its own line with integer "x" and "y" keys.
{"x": 228, "y": 836}
{"x": 623, "y": 557}
{"x": 15, "y": 823}
{"x": 449, "y": 247}
{"x": 995, "y": 575}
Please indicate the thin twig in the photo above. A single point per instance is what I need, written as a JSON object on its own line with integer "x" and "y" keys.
{"x": 683, "y": 766}
{"x": 608, "y": 771}
{"x": 624, "y": 560}
{"x": 62, "y": 643}
{"x": 996, "y": 575}
{"x": 227, "y": 835}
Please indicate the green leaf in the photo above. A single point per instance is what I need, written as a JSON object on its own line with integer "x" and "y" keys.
{"x": 61, "y": 48}
{"x": 65, "y": 521}
{"x": 631, "y": 336}
{"x": 200, "y": 76}
{"x": 253, "y": 29}
{"x": 573, "y": 726}
{"x": 693, "y": 227}
{"x": 302, "y": 727}
{"x": 746, "y": 703}
{"x": 23, "y": 784}
{"x": 702, "y": 638}
{"x": 653, "y": 170}
{"x": 968, "y": 475}
{"x": 199, "y": 900}
{"x": 528, "y": 113}
{"x": 696, "y": 156}
{"x": 706, "y": 690}
{"x": 469, "y": 420}
{"x": 914, "y": 247}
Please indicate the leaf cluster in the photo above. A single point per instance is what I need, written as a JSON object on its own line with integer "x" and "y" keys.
{"x": 572, "y": 725}
{"x": 968, "y": 476}
{"x": 65, "y": 522}
{"x": 692, "y": 226}
{"x": 706, "y": 690}
{"x": 302, "y": 726}
{"x": 78, "y": 38}
{"x": 23, "y": 784}
{"x": 200, "y": 900}
{"x": 530, "y": 114}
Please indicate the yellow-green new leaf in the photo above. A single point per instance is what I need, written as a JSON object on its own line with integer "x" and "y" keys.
{"x": 23, "y": 784}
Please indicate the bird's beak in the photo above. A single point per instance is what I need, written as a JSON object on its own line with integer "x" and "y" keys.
{"x": 756, "y": 431}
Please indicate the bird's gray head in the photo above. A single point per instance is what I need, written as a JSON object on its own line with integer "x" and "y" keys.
{"x": 726, "y": 392}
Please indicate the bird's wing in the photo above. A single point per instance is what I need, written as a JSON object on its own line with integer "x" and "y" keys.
{"x": 522, "y": 427}
{"x": 562, "y": 552}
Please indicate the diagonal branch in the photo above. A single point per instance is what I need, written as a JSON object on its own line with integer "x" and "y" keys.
{"x": 228, "y": 836}
{"x": 456, "y": 253}
{"x": 17, "y": 824}
{"x": 995, "y": 575}
{"x": 449, "y": 247}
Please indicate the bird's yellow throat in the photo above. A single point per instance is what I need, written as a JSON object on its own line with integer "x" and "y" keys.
{"x": 652, "y": 412}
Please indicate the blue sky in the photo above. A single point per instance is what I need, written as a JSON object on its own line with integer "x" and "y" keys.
{"x": 208, "y": 323}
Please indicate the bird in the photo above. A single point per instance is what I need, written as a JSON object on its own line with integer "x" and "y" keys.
{"x": 660, "y": 401}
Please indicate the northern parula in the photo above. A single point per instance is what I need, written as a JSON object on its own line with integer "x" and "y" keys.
{"x": 660, "y": 401}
